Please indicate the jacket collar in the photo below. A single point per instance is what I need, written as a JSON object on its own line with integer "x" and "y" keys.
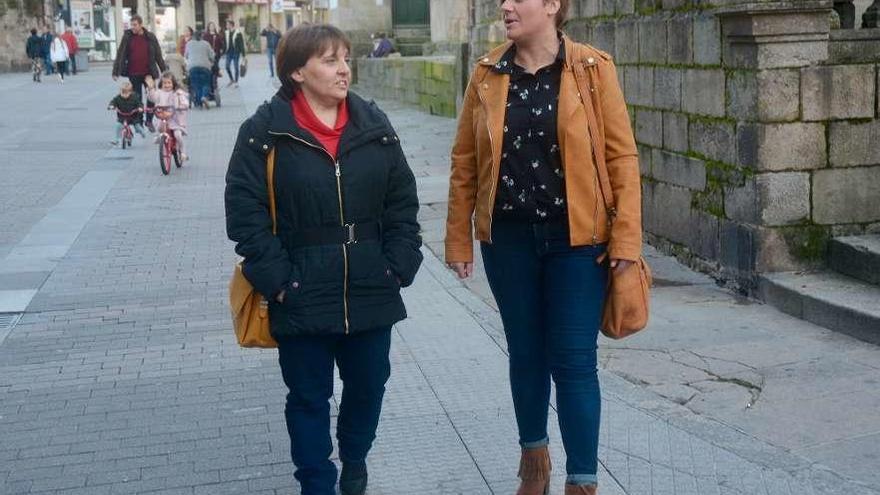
{"x": 365, "y": 122}
{"x": 495, "y": 55}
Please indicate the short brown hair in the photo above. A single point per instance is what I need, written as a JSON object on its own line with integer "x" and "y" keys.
{"x": 300, "y": 44}
{"x": 138, "y": 19}
{"x": 562, "y": 13}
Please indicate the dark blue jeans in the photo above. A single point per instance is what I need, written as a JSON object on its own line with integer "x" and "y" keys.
{"x": 550, "y": 296}
{"x": 232, "y": 62}
{"x": 200, "y": 84}
{"x": 271, "y": 55}
{"x": 307, "y": 369}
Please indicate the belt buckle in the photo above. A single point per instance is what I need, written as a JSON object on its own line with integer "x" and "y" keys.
{"x": 351, "y": 237}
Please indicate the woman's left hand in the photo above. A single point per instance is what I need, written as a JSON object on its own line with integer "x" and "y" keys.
{"x": 619, "y": 266}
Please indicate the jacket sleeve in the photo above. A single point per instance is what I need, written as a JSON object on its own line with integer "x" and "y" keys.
{"x": 120, "y": 54}
{"x": 621, "y": 158}
{"x": 462, "y": 184}
{"x": 266, "y": 264}
{"x": 401, "y": 239}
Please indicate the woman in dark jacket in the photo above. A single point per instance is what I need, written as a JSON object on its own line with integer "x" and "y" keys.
{"x": 347, "y": 241}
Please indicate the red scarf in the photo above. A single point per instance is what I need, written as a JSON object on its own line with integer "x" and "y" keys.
{"x": 306, "y": 118}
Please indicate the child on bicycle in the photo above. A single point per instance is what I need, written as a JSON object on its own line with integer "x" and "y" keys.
{"x": 172, "y": 105}
{"x": 128, "y": 109}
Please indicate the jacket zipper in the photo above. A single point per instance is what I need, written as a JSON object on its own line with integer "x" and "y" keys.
{"x": 492, "y": 151}
{"x": 338, "y": 173}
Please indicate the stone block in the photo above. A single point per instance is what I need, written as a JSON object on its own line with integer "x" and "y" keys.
{"x": 775, "y": 147}
{"x": 707, "y": 40}
{"x": 652, "y": 41}
{"x": 667, "y": 88}
{"x": 649, "y": 127}
{"x": 639, "y": 86}
{"x": 588, "y": 8}
{"x": 675, "y": 131}
{"x": 773, "y": 252}
{"x": 737, "y": 246}
{"x": 854, "y": 144}
{"x": 674, "y": 4}
{"x": 660, "y": 199}
{"x": 702, "y": 92}
{"x": 645, "y": 160}
{"x": 679, "y": 170}
{"x": 625, "y": 7}
{"x": 607, "y": 7}
{"x": 714, "y": 140}
{"x": 626, "y": 42}
{"x": 765, "y": 96}
{"x": 767, "y": 40}
{"x": 846, "y": 195}
{"x": 680, "y": 38}
{"x": 603, "y": 37}
{"x": 772, "y": 199}
{"x": 838, "y": 92}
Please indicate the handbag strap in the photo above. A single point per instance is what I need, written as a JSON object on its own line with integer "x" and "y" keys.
{"x": 593, "y": 128}
{"x": 270, "y": 181}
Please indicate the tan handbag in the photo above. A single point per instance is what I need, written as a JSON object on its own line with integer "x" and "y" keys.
{"x": 250, "y": 310}
{"x": 627, "y": 300}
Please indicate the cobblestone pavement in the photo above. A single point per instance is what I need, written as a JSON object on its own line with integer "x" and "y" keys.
{"x": 123, "y": 376}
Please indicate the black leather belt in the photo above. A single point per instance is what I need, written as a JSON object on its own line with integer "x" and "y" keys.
{"x": 350, "y": 233}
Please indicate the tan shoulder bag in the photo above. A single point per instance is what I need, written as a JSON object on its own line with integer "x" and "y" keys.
{"x": 250, "y": 310}
{"x": 627, "y": 300}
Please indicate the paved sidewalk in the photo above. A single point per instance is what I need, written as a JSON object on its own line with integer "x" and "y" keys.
{"x": 123, "y": 376}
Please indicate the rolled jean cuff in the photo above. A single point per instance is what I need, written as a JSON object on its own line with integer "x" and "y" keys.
{"x": 582, "y": 479}
{"x": 536, "y": 444}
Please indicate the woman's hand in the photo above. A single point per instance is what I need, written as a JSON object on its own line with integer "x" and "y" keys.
{"x": 619, "y": 266}
{"x": 462, "y": 269}
{"x": 280, "y": 297}
{"x": 149, "y": 81}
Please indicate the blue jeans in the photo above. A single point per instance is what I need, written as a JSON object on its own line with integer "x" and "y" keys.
{"x": 550, "y": 296}
{"x": 48, "y": 66}
{"x": 200, "y": 84}
{"x": 307, "y": 369}
{"x": 232, "y": 58}
{"x": 271, "y": 56}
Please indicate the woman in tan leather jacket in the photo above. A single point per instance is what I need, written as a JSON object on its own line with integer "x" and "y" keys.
{"x": 540, "y": 114}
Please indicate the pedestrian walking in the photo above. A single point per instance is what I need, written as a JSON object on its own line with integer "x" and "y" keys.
{"x": 235, "y": 50}
{"x": 137, "y": 57}
{"x": 59, "y": 55}
{"x": 47, "y": 38}
{"x": 72, "y": 47}
{"x": 200, "y": 60}
{"x": 273, "y": 36}
{"x": 34, "y": 50}
{"x": 347, "y": 240}
{"x": 217, "y": 41}
{"x": 187, "y": 35}
{"x": 524, "y": 169}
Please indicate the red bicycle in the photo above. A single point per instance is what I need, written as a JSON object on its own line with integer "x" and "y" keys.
{"x": 127, "y": 133}
{"x": 167, "y": 143}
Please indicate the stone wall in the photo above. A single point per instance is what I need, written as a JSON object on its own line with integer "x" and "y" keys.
{"x": 757, "y": 126}
{"x": 16, "y": 22}
{"x": 432, "y": 83}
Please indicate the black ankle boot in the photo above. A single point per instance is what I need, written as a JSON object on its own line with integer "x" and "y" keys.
{"x": 353, "y": 479}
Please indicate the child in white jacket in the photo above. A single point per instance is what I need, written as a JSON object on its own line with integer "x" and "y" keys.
{"x": 170, "y": 98}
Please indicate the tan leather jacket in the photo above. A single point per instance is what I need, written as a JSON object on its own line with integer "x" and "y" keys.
{"x": 476, "y": 157}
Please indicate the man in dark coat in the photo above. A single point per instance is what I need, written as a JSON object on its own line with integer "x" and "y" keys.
{"x": 235, "y": 50}
{"x": 139, "y": 56}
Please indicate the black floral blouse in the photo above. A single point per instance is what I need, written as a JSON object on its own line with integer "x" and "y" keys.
{"x": 531, "y": 183}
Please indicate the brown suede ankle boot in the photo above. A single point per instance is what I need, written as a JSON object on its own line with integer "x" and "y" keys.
{"x": 580, "y": 489}
{"x": 534, "y": 471}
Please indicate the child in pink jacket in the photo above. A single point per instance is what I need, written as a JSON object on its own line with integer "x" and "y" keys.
{"x": 169, "y": 97}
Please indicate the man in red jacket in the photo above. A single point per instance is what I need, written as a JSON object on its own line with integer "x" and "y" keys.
{"x": 72, "y": 46}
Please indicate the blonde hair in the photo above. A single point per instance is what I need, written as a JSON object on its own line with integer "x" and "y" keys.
{"x": 125, "y": 86}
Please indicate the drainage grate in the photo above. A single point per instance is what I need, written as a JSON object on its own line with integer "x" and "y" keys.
{"x": 7, "y": 323}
